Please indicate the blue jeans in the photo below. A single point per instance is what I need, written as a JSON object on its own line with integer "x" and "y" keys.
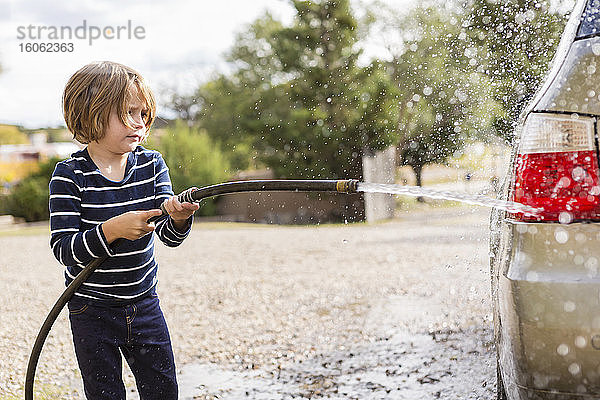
{"x": 138, "y": 331}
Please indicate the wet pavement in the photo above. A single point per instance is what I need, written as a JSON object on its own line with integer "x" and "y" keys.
{"x": 400, "y": 365}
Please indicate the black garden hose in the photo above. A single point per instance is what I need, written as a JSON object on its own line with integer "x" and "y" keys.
{"x": 190, "y": 195}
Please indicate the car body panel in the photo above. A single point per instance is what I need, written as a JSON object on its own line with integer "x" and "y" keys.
{"x": 545, "y": 276}
{"x": 568, "y": 37}
{"x": 548, "y": 297}
{"x": 575, "y": 87}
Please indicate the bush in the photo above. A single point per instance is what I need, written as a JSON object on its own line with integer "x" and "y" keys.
{"x": 4, "y": 203}
{"x": 28, "y": 199}
{"x": 193, "y": 160}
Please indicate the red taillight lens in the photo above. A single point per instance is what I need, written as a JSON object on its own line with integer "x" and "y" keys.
{"x": 557, "y": 169}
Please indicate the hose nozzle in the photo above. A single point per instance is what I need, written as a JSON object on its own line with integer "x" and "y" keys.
{"x": 347, "y": 186}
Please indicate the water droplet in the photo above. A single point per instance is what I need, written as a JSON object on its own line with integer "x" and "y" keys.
{"x": 563, "y": 182}
{"x": 574, "y": 369}
{"x": 569, "y": 306}
{"x": 591, "y": 69}
{"x": 562, "y": 349}
{"x": 580, "y": 342}
{"x": 578, "y": 174}
{"x": 561, "y": 236}
{"x": 591, "y": 263}
{"x": 565, "y": 218}
{"x": 345, "y": 241}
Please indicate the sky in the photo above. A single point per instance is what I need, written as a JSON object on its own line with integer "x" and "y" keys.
{"x": 175, "y": 45}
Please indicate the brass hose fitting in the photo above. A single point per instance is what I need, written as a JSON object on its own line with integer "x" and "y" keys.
{"x": 347, "y": 186}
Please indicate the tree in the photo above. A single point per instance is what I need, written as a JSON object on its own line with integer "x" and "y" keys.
{"x": 443, "y": 100}
{"x": 228, "y": 116}
{"x": 298, "y": 93}
{"x": 516, "y": 40}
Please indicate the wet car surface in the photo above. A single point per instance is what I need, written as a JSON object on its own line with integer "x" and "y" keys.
{"x": 545, "y": 280}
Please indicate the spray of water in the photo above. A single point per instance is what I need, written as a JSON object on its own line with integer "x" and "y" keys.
{"x": 479, "y": 200}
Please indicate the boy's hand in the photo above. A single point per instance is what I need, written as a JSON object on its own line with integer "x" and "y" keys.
{"x": 131, "y": 225}
{"x": 178, "y": 211}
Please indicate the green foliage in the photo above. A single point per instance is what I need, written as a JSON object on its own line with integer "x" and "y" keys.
{"x": 4, "y": 209}
{"x": 228, "y": 117}
{"x": 516, "y": 40}
{"x": 443, "y": 101}
{"x": 193, "y": 160}
{"x": 298, "y": 97}
{"x": 28, "y": 199}
{"x": 466, "y": 69}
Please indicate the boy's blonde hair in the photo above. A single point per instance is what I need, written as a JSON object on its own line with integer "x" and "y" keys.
{"x": 96, "y": 90}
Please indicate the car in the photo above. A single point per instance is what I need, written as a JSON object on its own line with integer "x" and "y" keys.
{"x": 545, "y": 268}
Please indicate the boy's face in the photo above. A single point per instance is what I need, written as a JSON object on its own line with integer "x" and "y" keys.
{"x": 120, "y": 139}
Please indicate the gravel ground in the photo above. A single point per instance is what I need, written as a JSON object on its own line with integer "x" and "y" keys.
{"x": 396, "y": 310}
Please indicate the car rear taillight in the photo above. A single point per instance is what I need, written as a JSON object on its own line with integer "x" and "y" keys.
{"x": 556, "y": 168}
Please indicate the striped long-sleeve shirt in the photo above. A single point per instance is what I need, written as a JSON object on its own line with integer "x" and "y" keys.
{"x": 81, "y": 198}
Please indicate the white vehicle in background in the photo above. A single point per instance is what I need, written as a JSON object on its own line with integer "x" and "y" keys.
{"x": 546, "y": 269}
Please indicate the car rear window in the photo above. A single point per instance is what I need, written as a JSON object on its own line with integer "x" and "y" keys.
{"x": 590, "y": 19}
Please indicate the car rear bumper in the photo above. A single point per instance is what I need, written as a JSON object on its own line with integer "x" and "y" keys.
{"x": 548, "y": 303}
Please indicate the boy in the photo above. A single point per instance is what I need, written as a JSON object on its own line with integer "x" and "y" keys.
{"x": 105, "y": 192}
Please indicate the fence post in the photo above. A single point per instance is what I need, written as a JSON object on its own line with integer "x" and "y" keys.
{"x": 380, "y": 167}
